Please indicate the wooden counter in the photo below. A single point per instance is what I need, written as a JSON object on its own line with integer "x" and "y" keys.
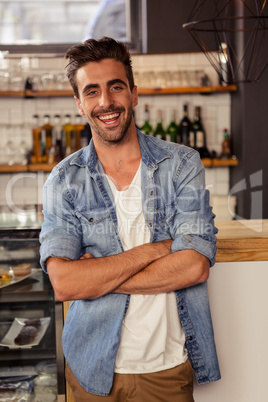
{"x": 245, "y": 240}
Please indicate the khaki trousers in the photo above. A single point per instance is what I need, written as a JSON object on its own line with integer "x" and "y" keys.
{"x": 173, "y": 385}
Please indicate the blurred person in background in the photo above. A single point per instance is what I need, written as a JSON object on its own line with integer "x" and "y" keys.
{"x": 109, "y": 20}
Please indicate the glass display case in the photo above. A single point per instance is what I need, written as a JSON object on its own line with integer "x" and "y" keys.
{"x": 31, "y": 321}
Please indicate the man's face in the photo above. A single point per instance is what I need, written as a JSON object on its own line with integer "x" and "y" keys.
{"x": 106, "y": 99}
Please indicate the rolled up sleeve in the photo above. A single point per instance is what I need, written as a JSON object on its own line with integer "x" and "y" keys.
{"x": 60, "y": 233}
{"x": 194, "y": 226}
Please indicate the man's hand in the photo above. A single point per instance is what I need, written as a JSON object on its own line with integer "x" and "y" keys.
{"x": 163, "y": 247}
{"x": 86, "y": 256}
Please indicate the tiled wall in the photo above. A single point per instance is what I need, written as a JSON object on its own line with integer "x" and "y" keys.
{"x": 16, "y": 117}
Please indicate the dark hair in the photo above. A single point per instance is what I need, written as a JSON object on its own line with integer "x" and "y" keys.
{"x": 95, "y": 51}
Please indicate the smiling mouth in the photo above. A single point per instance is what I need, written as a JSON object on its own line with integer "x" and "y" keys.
{"x": 109, "y": 118}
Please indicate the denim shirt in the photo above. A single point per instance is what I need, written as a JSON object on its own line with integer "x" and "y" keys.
{"x": 80, "y": 217}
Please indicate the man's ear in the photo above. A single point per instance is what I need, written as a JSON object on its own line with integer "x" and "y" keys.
{"x": 80, "y": 109}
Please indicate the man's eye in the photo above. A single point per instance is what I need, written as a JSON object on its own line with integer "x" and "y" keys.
{"x": 91, "y": 93}
{"x": 116, "y": 88}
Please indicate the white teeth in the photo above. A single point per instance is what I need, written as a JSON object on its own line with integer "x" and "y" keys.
{"x": 109, "y": 116}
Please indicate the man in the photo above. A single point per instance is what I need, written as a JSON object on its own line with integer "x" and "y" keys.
{"x": 129, "y": 236}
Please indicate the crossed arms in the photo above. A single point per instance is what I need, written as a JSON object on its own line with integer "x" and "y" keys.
{"x": 147, "y": 269}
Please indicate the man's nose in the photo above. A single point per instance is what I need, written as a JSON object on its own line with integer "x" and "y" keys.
{"x": 105, "y": 99}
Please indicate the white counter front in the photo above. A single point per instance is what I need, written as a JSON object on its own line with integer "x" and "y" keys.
{"x": 239, "y": 303}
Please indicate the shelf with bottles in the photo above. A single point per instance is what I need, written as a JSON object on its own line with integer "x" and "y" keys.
{"x": 141, "y": 91}
{"x": 53, "y": 142}
{"x": 190, "y": 133}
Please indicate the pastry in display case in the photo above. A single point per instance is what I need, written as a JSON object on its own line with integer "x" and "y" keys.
{"x": 31, "y": 320}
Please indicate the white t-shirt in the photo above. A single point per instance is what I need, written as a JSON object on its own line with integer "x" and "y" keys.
{"x": 152, "y": 337}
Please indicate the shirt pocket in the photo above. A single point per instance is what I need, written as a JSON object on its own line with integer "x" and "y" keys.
{"x": 97, "y": 231}
{"x": 188, "y": 203}
{"x": 170, "y": 216}
{"x": 193, "y": 201}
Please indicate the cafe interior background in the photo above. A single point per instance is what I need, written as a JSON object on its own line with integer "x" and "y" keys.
{"x": 33, "y": 39}
{"x": 171, "y": 70}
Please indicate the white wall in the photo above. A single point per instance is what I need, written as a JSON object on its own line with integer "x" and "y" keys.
{"x": 238, "y": 299}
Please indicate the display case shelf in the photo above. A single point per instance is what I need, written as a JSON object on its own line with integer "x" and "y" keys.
{"x": 28, "y": 355}
{"x": 30, "y": 298}
{"x": 35, "y": 288}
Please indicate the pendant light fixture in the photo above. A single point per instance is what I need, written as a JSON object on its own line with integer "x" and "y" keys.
{"x": 239, "y": 28}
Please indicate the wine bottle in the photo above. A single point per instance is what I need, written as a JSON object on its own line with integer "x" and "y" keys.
{"x": 226, "y": 145}
{"x": 86, "y": 136}
{"x": 199, "y": 134}
{"x": 46, "y": 137}
{"x": 159, "y": 131}
{"x": 36, "y": 135}
{"x": 57, "y": 138}
{"x": 185, "y": 127}
{"x": 146, "y": 127}
{"x": 68, "y": 135}
{"x": 78, "y": 129}
{"x": 172, "y": 129}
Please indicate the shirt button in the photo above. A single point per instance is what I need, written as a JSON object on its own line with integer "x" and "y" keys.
{"x": 190, "y": 338}
{"x": 151, "y": 193}
{"x": 91, "y": 219}
{"x": 181, "y": 307}
{"x": 150, "y": 224}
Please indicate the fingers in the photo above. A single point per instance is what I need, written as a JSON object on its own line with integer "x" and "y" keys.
{"x": 86, "y": 256}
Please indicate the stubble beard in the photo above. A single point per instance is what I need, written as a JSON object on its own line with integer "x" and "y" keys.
{"x": 110, "y": 136}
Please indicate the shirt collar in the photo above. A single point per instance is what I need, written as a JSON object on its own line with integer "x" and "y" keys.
{"x": 152, "y": 153}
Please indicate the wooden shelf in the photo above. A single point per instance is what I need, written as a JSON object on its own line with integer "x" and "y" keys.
{"x": 141, "y": 91}
{"x": 11, "y": 94}
{"x": 41, "y": 167}
{"x": 32, "y": 167}
{"x": 219, "y": 162}
{"x": 187, "y": 90}
{"x": 13, "y": 168}
{"x": 52, "y": 93}
{"x": 47, "y": 167}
